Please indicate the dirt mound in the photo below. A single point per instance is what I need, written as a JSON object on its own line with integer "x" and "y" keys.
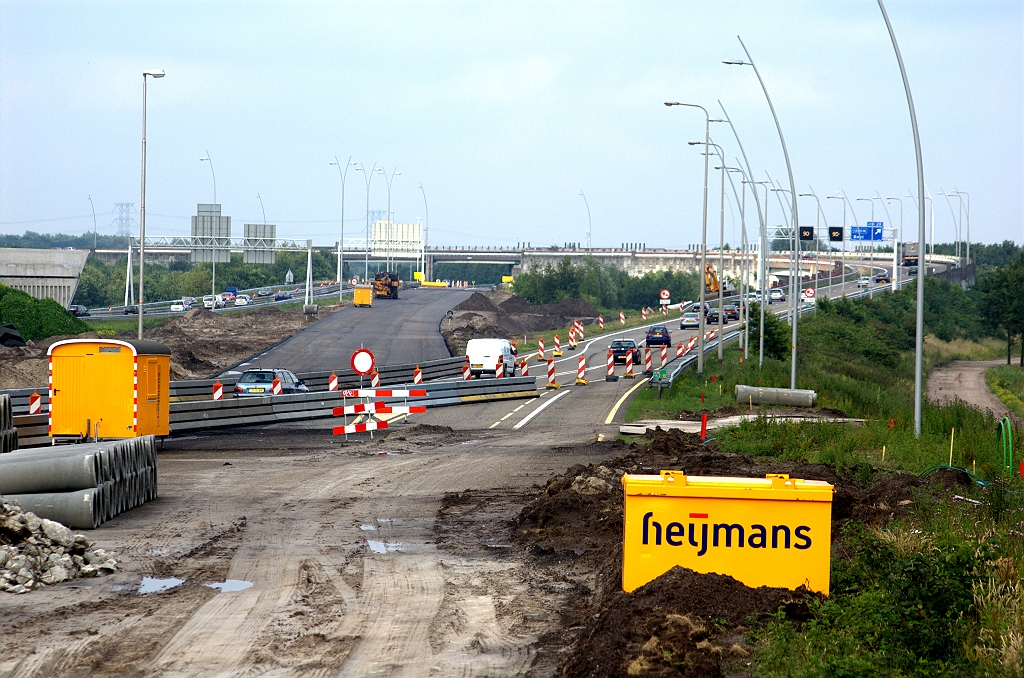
{"x": 27, "y": 366}
{"x": 477, "y": 302}
{"x": 476, "y": 327}
{"x": 725, "y": 411}
{"x": 575, "y": 526}
{"x": 516, "y": 304}
{"x": 569, "y": 307}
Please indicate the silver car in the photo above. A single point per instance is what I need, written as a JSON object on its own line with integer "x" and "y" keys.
{"x": 260, "y": 382}
{"x": 689, "y": 321}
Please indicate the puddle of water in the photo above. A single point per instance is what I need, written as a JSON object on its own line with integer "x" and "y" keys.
{"x": 469, "y": 442}
{"x": 154, "y": 585}
{"x": 367, "y": 528}
{"x": 230, "y": 585}
{"x": 382, "y": 547}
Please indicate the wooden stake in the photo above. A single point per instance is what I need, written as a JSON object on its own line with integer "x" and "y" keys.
{"x": 951, "y": 432}
{"x": 883, "y": 454}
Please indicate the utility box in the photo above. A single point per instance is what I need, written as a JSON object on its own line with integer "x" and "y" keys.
{"x": 108, "y": 388}
{"x": 362, "y": 295}
{"x": 772, "y": 531}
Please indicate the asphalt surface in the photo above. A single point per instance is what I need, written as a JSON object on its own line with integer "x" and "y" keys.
{"x": 397, "y": 331}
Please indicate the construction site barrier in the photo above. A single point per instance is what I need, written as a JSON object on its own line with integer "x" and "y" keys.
{"x": 83, "y": 485}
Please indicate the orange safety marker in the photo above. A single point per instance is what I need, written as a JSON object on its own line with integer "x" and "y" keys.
{"x": 611, "y": 367}
{"x": 332, "y": 382}
{"x": 360, "y": 428}
{"x": 581, "y": 371}
{"x": 703, "y": 424}
{"x": 467, "y": 374}
{"x": 35, "y": 403}
{"x": 664, "y": 309}
{"x": 417, "y": 375}
{"x": 664, "y": 354}
{"x": 557, "y": 353}
{"x": 648, "y": 363}
{"x": 622, "y": 317}
{"x": 275, "y": 387}
{"x": 525, "y": 366}
{"x": 499, "y": 369}
{"x": 643, "y": 313}
{"x": 680, "y": 350}
{"x": 551, "y": 375}
{"x": 218, "y": 390}
{"x": 374, "y": 379}
{"x": 540, "y": 350}
{"x": 629, "y": 366}
{"x": 600, "y": 322}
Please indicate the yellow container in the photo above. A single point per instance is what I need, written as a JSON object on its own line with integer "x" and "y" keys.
{"x": 109, "y": 388}
{"x": 774, "y": 531}
{"x": 363, "y": 295}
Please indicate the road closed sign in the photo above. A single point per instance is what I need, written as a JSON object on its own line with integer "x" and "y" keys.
{"x": 363, "y": 361}
{"x": 771, "y": 531}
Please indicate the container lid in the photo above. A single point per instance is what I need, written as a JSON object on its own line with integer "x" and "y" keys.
{"x": 774, "y": 486}
{"x": 137, "y": 346}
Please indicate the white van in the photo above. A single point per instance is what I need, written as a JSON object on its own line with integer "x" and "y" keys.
{"x": 484, "y": 355}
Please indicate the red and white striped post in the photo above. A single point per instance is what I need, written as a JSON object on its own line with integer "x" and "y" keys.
{"x": 332, "y": 382}
{"x": 648, "y": 363}
{"x": 275, "y": 386}
{"x": 572, "y": 338}
{"x": 581, "y": 371}
{"x": 525, "y": 366}
{"x": 513, "y": 344}
{"x": 600, "y": 322}
{"x": 551, "y": 375}
{"x": 622, "y": 318}
{"x": 680, "y": 350}
{"x": 374, "y": 379}
{"x": 499, "y": 369}
{"x": 557, "y": 353}
{"x": 417, "y": 375}
{"x": 467, "y": 373}
{"x": 218, "y": 390}
{"x": 664, "y": 309}
{"x": 611, "y": 367}
{"x": 35, "y": 403}
{"x": 643, "y": 313}
{"x": 579, "y": 330}
{"x": 540, "y": 350}
{"x": 629, "y": 365}
{"x": 664, "y": 354}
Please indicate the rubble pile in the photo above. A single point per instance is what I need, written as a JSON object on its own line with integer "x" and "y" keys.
{"x": 36, "y": 552}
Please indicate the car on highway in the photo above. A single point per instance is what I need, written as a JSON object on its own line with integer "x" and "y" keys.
{"x": 78, "y": 310}
{"x": 260, "y": 382}
{"x": 243, "y": 300}
{"x": 658, "y": 335}
{"x": 712, "y": 318}
{"x": 865, "y": 281}
{"x": 690, "y": 321}
{"x": 282, "y": 295}
{"x": 621, "y": 348}
{"x": 776, "y": 294}
{"x": 179, "y": 305}
{"x": 732, "y": 312}
{"x": 130, "y": 310}
{"x": 264, "y": 292}
{"x": 484, "y": 354}
{"x": 213, "y": 301}
{"x": 912, "y": 270}
{"x": 882, "y": 277}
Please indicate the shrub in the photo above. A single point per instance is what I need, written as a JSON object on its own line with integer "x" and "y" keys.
{"x": 37, "y": 318}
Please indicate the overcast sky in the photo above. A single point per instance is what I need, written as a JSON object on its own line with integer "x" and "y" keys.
{"x": 503, "y": 111}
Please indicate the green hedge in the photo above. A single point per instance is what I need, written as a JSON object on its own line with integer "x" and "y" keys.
{"x": 37, "y": 318}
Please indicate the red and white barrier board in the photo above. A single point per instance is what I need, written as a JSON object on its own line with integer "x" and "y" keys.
{"x": 379, "y": 408}
{"x": 382, "y": 393}
{"x": 360, "y": 428}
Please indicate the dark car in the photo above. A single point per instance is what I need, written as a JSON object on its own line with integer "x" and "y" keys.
{"x": 78, "y": 310}
{"x": 712, "y": 318}
{"x": 658, "y": 335}
{"x": 131, "y": 310}
{"x": 732, "y": 312}
{"x": 260, "y": 382}
{"x": 882, "y": 277}
{"x": 912, "y": 270}
{"x": 264, "y": 292}
{"x": 624, "y": 347}
{"x": 282, "y": 295}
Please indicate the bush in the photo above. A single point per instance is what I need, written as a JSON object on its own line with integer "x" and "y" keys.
{"x": 37, "y": 318}
{"x": 777, "y": 333}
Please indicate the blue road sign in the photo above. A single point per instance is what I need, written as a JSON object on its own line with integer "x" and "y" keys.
{"x": 860, "y": 233}
{"x": 876, "y": 230}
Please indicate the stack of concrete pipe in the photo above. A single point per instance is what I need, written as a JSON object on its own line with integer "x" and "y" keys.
{"x": 83, "y": 485}
{"x": 8, "y": 434}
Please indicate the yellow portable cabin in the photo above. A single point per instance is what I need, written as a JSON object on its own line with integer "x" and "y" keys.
{"x": 362, "y": 295}
{"x": 109, "y": 388}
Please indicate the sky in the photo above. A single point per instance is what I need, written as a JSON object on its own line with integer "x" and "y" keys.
{"x": 504, "y": 112}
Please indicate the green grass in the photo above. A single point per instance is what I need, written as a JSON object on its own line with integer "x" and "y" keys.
{"x": 1007, "y": 382}
{"x": 111, "y": 326}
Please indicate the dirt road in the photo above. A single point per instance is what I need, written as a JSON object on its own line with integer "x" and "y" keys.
{"x": 965, "y": 379}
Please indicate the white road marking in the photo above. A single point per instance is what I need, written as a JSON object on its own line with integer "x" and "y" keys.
{"x": 537, "y": 411}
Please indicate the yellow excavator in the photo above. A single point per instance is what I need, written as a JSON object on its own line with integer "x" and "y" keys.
{"x": 710, "y": 279}
{"x": 385, "y": 285}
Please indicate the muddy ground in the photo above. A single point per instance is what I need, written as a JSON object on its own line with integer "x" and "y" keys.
{"x": 202, "y": 343}
{"x": 505, "y": 315}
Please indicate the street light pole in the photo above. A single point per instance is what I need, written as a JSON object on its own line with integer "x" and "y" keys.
{"x": 896, "y": 261}
{"x": 142, "y": 207}
{"x": 209, "y": 160}
{"x": 389, "y": 181}
{"x": 792, "y": 185}
{"x": 960, "y": 195}
{"x": 590, "y": 224}
{"x": 213, "y": 279}
{"x": 703, "y": 232}
{"x": 426, "y": 231}
{"x": 817, "y": 234}
{"x": 341, "y": 239}
{"x": 721, "y": 257}
{"x": 368, "y": 176}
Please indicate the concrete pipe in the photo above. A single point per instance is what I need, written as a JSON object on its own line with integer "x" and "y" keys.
{"x": 756, "y": 395}
{"x": 49, "y": 474}
{"x": 78, "y": 510}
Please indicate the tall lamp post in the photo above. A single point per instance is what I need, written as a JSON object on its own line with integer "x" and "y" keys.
{"x": 426, "y": 231}
{"x": 389, "y": 181}
{"x": 368, "y": 176}
{"x": 142, "y": 207}
{"x": 871, "y": 260}
{"x": 896, "y": 265}
{"x": 341, "y": 239}
{"x": 590, "y": 224}
{"x": 792, "y": 185}
{"x": 703, "y": 232}
{"x": 209, "y": 160}
{"x": 213, "y": 280}
{"x": 960, "y": 195}
{"x": 721, "y": 251}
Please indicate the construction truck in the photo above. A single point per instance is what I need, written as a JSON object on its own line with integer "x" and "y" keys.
{"x": 710, "y": 279}
{"x": 385, "y": 285}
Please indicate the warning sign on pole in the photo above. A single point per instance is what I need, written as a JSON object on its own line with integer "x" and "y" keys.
{"x": 363, "y": 361}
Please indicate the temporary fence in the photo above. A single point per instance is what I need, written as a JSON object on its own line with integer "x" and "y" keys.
{"x": 84, "y": 485}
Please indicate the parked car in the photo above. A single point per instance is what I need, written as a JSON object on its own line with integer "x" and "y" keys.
{"x": 282, "y": 295}
{"x": 732, "y": 312}
{"x": 78, "y": 310}
{"x": 621, "y": 348}
{"x": 260, "y": 382}
{"x": 264, "y": 292}
{"x": 483, "y": 356}
{"x": 179, "y": 305}
{"x": 131, "y": 310}
{"x": 658, "y": 335}
{"x": 243, "y": 300}
{"x": 690, "y": 321}
{"x": 776, "y": 294}
{"x": 865, "y": 281}
{"x": 212, "y": 302}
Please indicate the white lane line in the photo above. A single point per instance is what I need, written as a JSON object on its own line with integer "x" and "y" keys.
{"x": 537, "y": 411}
{"x": 506, "y": 416}
{"x": 522, "y": 406}
{"x": 494, "y": 424}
